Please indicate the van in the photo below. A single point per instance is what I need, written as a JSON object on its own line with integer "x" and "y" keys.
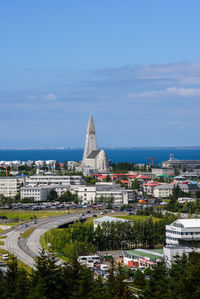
{"x": 82, "y": 260}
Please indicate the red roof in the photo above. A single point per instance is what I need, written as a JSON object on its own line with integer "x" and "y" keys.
{"x": 124, "y": 182}
{"x": 153, "y": 184}
{"x": 143, "y": 177}
{"x": 133, "y": 176}
{"x": 102, "y": 177}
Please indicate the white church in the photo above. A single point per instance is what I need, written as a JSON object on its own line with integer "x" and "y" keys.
{"x": 94, "y": 160}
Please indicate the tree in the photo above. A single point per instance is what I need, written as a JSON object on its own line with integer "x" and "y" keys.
{"x": 135, "y": 184}
{"x": 45, "y": 280}
{"x": 108, "y": 178}
{"x": 17, "y": 284}
{"x": 53, "y": 195}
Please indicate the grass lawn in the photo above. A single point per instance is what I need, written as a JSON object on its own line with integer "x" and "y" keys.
{"x": 128, "y": 217}
{"x": 138, "y": 217}
{"x": 27, "y": 215}
{"x": 1, "y": 242}
{"x": 28, "y": 232}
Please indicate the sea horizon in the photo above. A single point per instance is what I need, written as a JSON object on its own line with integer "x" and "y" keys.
{"x": 134, "y": 155}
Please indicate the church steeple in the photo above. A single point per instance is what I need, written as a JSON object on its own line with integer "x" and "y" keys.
{"x": 91, "y": 142}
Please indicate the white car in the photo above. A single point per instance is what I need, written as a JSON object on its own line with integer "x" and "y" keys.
{"x": 5, "y": 256}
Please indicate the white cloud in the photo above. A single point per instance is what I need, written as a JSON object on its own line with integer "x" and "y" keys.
{"x": 184, "y": 92}
{"x": 171, "y": 91}
{"x": 46, "y": 97}
{"x": 180, "y": 72}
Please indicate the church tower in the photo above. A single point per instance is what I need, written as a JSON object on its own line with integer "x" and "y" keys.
{"x": 91, "y": 142}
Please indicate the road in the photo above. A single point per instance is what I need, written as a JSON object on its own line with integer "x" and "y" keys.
{"x": 27, "y": 249}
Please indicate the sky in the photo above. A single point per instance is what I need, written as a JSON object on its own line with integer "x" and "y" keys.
{"x": 133, "y": 64}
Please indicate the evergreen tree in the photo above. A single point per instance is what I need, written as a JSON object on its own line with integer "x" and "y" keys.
{"x": 16, "y": 280}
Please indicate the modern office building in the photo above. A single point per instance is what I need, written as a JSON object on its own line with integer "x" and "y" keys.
{"x": 182, "y": 236}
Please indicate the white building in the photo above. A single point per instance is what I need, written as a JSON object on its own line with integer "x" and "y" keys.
{"x": 163, "y": 171}
{"x": 54, "y": 180}
{"x": 182, "y": 236}
{"x": 9, "y": 186}
{"x": 87, "y": 193}
{"x": 37, "y": 193}
{"x": 105, "y": 190}
{"x": 40, "y": 193}
{"x": 165, "y": 190}
{"x": 185, "y": 199}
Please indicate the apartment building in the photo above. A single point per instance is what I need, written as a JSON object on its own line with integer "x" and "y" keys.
{"x": 37, "y": 193}
{"x": 165, "y": 190}
{"x": 106, "y": 190}
{"x": 54, "y": 180}
{"x": 10, "y": 186}
{"x": 40, "y": 193}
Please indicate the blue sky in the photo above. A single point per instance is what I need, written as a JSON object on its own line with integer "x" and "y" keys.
{"x": 133, "y": 64}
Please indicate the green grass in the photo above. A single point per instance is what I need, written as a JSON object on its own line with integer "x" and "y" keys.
{"x": 138, "y": 217}
{"x": 27, "y": 215}
{"x": 128, "y": 217}
{"x": 3, "y": 237}
{"x": 1, "y": 242}
{"x": 28, "y": 232}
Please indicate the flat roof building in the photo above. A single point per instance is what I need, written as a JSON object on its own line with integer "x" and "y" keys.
{"x": 182, "y": 236}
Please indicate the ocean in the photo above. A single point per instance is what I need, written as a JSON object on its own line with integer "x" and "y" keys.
{"x": 115, "y": 155}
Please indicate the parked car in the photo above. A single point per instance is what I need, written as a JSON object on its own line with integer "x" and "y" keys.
{"x": 5, "y": 256}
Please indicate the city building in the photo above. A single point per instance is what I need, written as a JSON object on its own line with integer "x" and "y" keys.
{"x": 10, "y": 186}
{"x": 94, "y": 160}
{"x": 165, "y": 190}
{"x": 37, "y": 193}
{"x": 40, "y": 193}
{"x": 54, "y": 180}
{"x": 182, "y": 236}
{"x": 189, "y": 165}
{"x": 163, "y": 171}
{"x": 103, "y": 191}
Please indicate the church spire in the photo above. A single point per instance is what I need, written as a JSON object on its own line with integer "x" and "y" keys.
{"x": 91, "y": 142}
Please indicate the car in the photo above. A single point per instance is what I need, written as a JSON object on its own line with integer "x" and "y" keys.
{"x": 95, "y": 215}
{"x": 134, "y": 268}
{"x": 5, "y": 256}
{"x": 163, "y": 203}
{"x": 3, "y": 217}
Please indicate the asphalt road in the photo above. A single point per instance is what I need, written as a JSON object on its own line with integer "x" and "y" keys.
{"x": 29, "y": 248}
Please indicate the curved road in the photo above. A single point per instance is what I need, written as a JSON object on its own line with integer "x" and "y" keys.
{"x": 29, "y": 248}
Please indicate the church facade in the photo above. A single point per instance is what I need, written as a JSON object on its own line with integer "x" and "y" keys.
{"x": 94, "y": 160}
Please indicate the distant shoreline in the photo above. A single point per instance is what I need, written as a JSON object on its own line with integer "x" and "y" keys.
{"x": 107, "y": 148}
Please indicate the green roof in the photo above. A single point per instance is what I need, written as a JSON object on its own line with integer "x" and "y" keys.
{"x": 146, "y": 253}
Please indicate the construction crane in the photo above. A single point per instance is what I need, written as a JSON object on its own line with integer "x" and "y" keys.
{"x": 5, "y": 169}
{"x": 152, "y": 160}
